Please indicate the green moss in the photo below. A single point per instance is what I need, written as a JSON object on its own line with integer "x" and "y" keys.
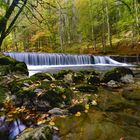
{"x": 21, "y": 68}
{"x": 6, "y": 60}
{"x": 60, "y": 75}
{"x": 95, "y": 80}
{"x": 42, "y": 76}
{"x": 9, "y": 65}
{"x": 86, "y": 88}
{"x": 2, "y": 93}
{"x": 78, "y": 77}
{"x": 39, "y": 133}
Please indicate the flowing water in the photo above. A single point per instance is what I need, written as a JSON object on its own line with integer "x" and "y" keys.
{"x": 53, "y": 62}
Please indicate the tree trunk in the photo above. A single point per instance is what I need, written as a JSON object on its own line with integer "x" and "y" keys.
{"x": 4, "y": 30}
{"x": 103, "y": 36}
{"x": 137, "y": 16}
{"x": 61, "y": 30}
{"x": 108, "y": 25}
{"x": 1, "y": 41}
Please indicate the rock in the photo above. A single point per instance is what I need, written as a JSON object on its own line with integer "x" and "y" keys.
{"x": 116, "y": 74}
{"x": 128, "y": 78}
{"x": 95, "y": 80}
{"x": 9, "y": 65}
{"x": 43, "y": 132}
{"x": 113, "y": 84}
{"x": 76, "y": 108}
{"x": 86, "y": 88}
{"x": 6, "y": 60}
{"x": 41, "y": 95}
{"x": 78, "y": 77}
{"x": 21, "y": 68}
{"x": 60, "y": 75}
{"x": 68, "y": 78}
{"x": 58, "y": 111}
{"x": 42, "y": 76}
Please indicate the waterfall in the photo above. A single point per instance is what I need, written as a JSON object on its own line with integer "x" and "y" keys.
{"x": 50, "y": 58}
{"x": 59, "y": 59}
{"x": 105, "y": 60}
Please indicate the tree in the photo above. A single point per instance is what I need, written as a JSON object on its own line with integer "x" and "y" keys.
{"x": 13, "y": 10}
{"x": 5, "y": 25}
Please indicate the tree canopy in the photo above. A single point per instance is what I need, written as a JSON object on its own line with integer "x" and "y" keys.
{"x": 56, "y": 25}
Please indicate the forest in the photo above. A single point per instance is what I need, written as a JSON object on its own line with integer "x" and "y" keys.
{"x": 70, "y": 26}
{"x": 69, "y": 69}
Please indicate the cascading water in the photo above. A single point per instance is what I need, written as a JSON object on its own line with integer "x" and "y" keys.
{"x": 60, "y": 59}
{"x": 54, "y": 62}
{"x": 51, "y": 59}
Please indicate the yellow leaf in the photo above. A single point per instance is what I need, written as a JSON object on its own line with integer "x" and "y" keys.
{"x": 78, "y": 114}
{"x": 51, "y": 123}
{"x": 86, "y": 111}
{"x": 94, "y": 102}
{"x": 87, "y": 106}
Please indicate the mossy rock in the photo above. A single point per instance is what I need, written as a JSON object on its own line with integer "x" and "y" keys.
{"x": 78, "y": 77}
{"x": 44, "y": 132}
{"x": 86, "y": 88}
{"x": 16, "y": 85}
{"x": 76, "y": 108}
{"x": 60, "y": 75}
{"x": 57, "y": 94}
{"x": 116, "y": 74}
{"x": 48, "y": 93}
{"x": 93, "y": 79}
{"x": 6, "y": 69}
{"x": 21, "y": 67}
{"x": 3, "y": 92}
{"x": 42, "y": 76}
{"x": 9, "y": 65}
{"x": 6, "y": 60}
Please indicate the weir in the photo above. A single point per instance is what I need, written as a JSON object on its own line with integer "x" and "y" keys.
{"x": 59, "y": 59}
{"x": 54, "y": 62}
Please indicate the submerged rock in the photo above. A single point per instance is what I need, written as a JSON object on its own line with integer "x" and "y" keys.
{"x": 58, "y": 111}
{"x": 113, "y": 84}
{"x": 76, "y": 108}
{"x": 43, "y": 132}
{"x": 127, "y": 79}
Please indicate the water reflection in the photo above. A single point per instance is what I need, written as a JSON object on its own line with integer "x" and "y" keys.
{"x": 10, "y": 129}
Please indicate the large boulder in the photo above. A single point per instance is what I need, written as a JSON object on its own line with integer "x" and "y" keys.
{"x": 42, "y": 95}
{"x": 116, "y": 74}
{"x": 9, "y": 69}
{"x": 9, "y": 65}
